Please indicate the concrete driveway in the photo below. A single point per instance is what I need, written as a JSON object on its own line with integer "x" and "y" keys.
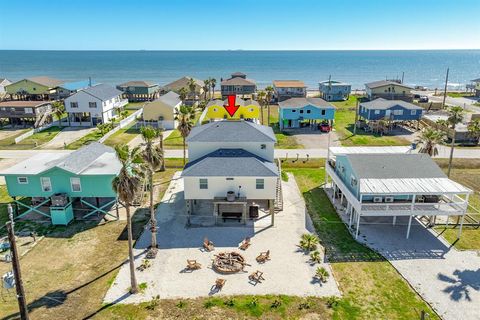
{"x": 67, "y": 136}
{"x": 448, "y": 279}
{"x": 288, "y": 272}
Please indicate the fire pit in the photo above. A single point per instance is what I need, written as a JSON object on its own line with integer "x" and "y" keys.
{"x": 229, "y": 262}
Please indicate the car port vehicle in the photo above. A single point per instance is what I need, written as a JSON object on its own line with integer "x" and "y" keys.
{"x": 324, "y": 127}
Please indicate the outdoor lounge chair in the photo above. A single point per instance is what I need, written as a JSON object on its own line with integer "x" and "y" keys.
{"x": 193, "y": 265}
{"x": 208, "y": 245}
{"x": 245, "y": 244}
{"x": 263, "y": 256}
{"x": 256, "y": 276}
{"x": 219, "y": 283}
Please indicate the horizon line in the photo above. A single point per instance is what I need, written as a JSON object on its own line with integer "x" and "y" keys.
{"x": 212, "y": 50}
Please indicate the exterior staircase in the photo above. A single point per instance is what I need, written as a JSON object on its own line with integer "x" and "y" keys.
{"x": 41, "y": 120}
{"x": 278, "y": 205}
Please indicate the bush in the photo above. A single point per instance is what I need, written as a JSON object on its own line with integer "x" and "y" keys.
{"x": 208, "y": 304}
{"x": 180, "y": 304}
{"x": 315, "y": 257}
{"x": 229, "y": 303}
{"x": 309, "y": 242}
{"x": 153, "y": 304}
{"x": 322, "y": 274}
{"x": 332, "y": 302}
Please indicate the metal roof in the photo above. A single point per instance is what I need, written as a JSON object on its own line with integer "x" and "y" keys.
{"x": 92, "y": 159}
{"x": 302, "y": 102}
{"x": 138, "y": 83}
{"x": 230, "y": 163}
{"x": 334, "y": 83}
{"x": 383, "y": 104}
{"x": 77, "y": 85}
{"x": 231, "y": 131}
{"x": 238, "y": 101}
{"x": 170, "y": 98}
{"x": 394, "y": 166}
{"x": 369, "y": 150}
{"x": 382, "y": 83}
{"x": 411, "y": 186}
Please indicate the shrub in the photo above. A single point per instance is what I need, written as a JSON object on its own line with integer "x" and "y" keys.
{"x": 229, "y": 303}
{"x": 180, "y": 304}
{"x": 332, "y": 302}
{"x": 305, "y": 305}
{"x": 315, "y": 257}
{"x": 309, "y": 242}
{"x": 153, "y": 304}
{"x": 275, "y": 304}
{"x": 322, "y": 274}
{"x": 208, "y": 304}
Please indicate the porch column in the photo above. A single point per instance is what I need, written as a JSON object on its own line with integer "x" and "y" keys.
{"x": 409, "y": 225}
{"x": 358, "y": 225}
{"x": 394, "y": 220}
{"x": 245, "y": 213}
{"x": 461, "y": 226}
{"x": 271, "y": 209}
{"x": 351, "y": 217}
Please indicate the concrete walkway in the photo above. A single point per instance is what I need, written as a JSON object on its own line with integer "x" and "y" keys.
{"x": 67, "y": 136}
{"x": 288, "y": 272}
{"x": 446, "y": 278}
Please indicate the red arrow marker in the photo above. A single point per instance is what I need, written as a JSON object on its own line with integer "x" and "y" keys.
{"x": 231, "y": 107}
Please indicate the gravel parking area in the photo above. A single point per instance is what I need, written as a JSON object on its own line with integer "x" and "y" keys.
{"x": 288, "y": 272}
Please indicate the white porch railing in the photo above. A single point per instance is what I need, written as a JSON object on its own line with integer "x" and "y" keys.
{"x": 121, "y": 103}
{"x": 397, "y": 209}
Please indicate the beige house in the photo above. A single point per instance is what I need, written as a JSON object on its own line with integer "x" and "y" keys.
{"x": 160, "y": 113}
{"x": 177, "y": 85}
{"x": 390, "y": 90}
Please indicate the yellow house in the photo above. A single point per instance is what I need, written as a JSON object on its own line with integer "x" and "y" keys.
{"x": 248, "y": 109}
{"x": 161, "y": 112}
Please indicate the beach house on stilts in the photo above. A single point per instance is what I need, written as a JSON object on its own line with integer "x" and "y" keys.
{"x": 59, "y": 185}
{"x": 368, "y": 182}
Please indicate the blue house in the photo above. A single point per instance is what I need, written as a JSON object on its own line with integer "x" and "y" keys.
{"x": 299, "y": 112}
{"x": 331, "y": 90}
{"x": 388, "y": 182}
{"x": 393, "y": 110}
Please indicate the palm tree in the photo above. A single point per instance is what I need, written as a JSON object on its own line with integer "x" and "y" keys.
{"x": 192, "y": 86}
{"x": 455, "y": 116}
{"x": 213, "y": 83}
{"x": 127, "y": 186}
{"x": 185, "y": 115}
{"x": 308, "y": 242}
{"x": 261, "y": 100}
{"x": 58, "y": 110}
{"x": 429, "y": 139}
{"x": 206, "y": 89}
{"x": 474, "y": 129}
{"x": 183, "y": 92}
{"x": 153, "y": 158}
{"x": 268, "y": 98}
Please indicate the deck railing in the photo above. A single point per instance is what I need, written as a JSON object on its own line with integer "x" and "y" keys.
{"x": 446, "y": 208}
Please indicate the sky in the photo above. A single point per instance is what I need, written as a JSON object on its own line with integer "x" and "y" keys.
{"x": 240, "y": 24}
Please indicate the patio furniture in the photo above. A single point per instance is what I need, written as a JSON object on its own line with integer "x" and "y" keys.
{"x": 219, "y": 283}
{"x": 256, "y": 276}
{"x": 193, "y": 265}
{"x": 263, "y": 256}
{"x": 208, "y": 245}
{"x": 245, "y": 244}
{"x": 145, "y": 265}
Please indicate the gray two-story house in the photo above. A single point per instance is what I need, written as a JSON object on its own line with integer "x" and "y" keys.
{"x": 238, "y": 84}
{"x": 331, "y": 90}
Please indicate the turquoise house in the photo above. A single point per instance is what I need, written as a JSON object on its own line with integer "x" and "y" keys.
{"x": 299, "y": 112}
{"x": 55, "y": 182}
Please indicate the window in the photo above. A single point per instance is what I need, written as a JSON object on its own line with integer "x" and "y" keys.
{"x": 301, "y": 111}
{"x": 46, "y": 184}
{"x": 229, "y": 179}
{"x": 22, "y": 180}
{"x": 294, "y": 110}
{"x": 73, "y": 104}
{"x": 353, "y": 181}
{"x": 308, "y": 111}
{"x": 203, "y": 183}
{"x": 28, "y": 110}
{"x": 324, "y": 112}
{"x": 260, "y": 184}
{"x": 92, "y": 104}
{"x": 398, "y": 112}
{"x": 413, "y": 112}
{"x": 263, "y": 146}
{"x": 377, "y": 111}
{"x": 75, "y": 184}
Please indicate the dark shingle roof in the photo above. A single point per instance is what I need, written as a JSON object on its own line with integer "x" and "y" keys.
{"x": 383, "y": 104}
{"x": 394, "y": 166}
{"x": 302, "y": 102}
{"x": 231, "y": 131}
{"x": 238, "y": 81}
{"x": 183, "y": 83}
{"x": 230, "y": 163}
{"x": 381, "y": 83}
{"x": 138, "y": 83}
{"x": 102, "y": 91}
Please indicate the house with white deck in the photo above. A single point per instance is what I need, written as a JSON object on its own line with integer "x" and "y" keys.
{"x": 391, "y": 182}
{"x": 231, "y": 176}
{"x": 94, "y": 105}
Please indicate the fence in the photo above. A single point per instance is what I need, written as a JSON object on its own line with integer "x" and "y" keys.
{"x": 31, "y": 132}
{"x": 122, "y": 124}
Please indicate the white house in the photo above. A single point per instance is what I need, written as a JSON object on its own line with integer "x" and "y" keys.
{"x": 3, "y": 82}
{"x": 94, "y": 105}
{"x": 231, "y": 172}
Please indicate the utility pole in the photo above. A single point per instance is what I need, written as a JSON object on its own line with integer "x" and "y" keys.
{"x": 22, "y": 304}
{"x": 403, "y": 75}
{"x": 356, "y": 119}
{"x": 445, "y": 90}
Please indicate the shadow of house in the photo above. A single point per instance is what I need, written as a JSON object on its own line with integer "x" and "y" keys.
{"x": 461, "y": 282}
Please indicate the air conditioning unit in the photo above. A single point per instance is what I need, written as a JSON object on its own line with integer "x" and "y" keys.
{"x": 377, "y": 199}
{"x": 388, "y": 199}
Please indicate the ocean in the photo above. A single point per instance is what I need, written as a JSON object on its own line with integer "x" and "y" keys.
{"x": 422, "y": 67}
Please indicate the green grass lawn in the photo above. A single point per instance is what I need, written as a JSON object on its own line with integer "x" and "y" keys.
{"x": 123, "y": 136}
{"x": 11, "y": 140}
{"x": 4, "y": 201}
{"x": 35, "y": 140}
{"x": 459, "y": 94}
{"x": 95, "y": 135}
{"x": 344, "y": 123}
{"x": 371, "y": 287}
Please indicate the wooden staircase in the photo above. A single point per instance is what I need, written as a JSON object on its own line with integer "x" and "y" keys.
{"x": 278, "y": 205}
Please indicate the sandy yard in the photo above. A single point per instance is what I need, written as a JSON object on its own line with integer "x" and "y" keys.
{"x": 314, "y": 139}
{"x": 288, "y": 272}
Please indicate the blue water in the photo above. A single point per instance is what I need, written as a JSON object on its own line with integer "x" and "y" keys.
{"x": 425, "y": 68}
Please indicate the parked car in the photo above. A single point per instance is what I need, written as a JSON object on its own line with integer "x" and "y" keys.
{"x": 422, "y": 88}
{"x": 420, "y": 97}
{"x": 324, "y": 127}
